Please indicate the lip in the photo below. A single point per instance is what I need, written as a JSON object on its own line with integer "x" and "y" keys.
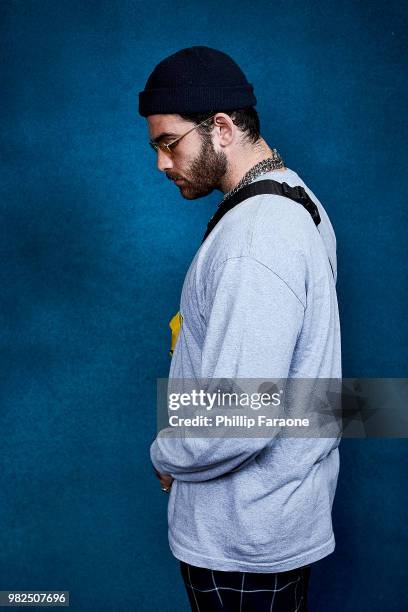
{"x": 179, "y": 181}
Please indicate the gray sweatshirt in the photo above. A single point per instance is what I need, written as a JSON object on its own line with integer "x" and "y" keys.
{"x": 258, "y": 301}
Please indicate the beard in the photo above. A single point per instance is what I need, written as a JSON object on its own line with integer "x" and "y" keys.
{"x": 205, "y": 172}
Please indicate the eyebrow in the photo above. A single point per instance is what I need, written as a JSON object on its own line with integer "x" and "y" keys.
{"x": 164, "y": 135}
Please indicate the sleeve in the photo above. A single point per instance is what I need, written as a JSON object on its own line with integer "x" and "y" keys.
{"x": 253, "y": 319}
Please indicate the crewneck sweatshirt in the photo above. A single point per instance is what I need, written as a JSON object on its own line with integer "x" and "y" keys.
{"x": 258, "y": 301}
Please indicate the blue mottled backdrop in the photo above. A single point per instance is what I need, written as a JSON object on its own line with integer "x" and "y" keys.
{"x": 95, "y": 243}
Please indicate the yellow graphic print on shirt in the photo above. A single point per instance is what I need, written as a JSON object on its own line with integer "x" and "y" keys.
{"x": 175, "y": 326}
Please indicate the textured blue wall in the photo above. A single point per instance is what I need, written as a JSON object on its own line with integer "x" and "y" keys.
{"x": 92, "y": 262}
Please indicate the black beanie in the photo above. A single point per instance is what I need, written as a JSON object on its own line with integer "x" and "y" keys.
{"x": 196, "y": 80}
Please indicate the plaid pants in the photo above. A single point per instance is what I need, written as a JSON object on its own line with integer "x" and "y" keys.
{"x": 212, "y": 590}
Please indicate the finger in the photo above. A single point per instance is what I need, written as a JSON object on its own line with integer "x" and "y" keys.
{"x": 165, "y": 484}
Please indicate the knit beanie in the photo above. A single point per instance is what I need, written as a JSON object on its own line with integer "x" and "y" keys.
{"x": 196, "y": 80}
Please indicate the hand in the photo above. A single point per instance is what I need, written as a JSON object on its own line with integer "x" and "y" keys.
{"x": 165, "y": 479}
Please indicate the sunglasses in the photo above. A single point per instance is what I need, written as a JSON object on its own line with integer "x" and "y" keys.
{"x": 168, "y": 147}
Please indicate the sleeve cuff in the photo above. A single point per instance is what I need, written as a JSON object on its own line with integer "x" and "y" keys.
{"x": 154, "y": 458}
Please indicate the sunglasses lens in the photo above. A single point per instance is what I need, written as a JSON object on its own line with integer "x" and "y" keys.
{"x": 156, "y": 146}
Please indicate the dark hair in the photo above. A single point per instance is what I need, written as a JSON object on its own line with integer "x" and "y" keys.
{"x": 246, "y": 119}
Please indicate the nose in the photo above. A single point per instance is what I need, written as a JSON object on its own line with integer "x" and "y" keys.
{"x": 164, "y": 161}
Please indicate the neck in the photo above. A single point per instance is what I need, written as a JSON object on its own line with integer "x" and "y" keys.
{"x": 243, "y": 163}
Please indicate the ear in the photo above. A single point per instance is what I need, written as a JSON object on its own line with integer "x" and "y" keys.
{"x": 224, "y": 129}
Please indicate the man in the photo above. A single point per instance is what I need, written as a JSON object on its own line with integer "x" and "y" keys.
{"x": 247, "y": 516}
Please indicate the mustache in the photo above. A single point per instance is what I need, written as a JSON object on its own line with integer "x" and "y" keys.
{"x": 174, "y": 177}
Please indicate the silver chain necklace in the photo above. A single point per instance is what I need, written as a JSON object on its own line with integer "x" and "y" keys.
{"x": 266, "y": 165}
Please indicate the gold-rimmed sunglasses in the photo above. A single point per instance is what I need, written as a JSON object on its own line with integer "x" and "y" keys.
{"x": 168, "y": 147}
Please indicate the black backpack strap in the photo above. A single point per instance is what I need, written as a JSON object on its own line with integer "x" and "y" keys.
{"x": 298, "y": 194}
{"x": 267, "y": 186}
